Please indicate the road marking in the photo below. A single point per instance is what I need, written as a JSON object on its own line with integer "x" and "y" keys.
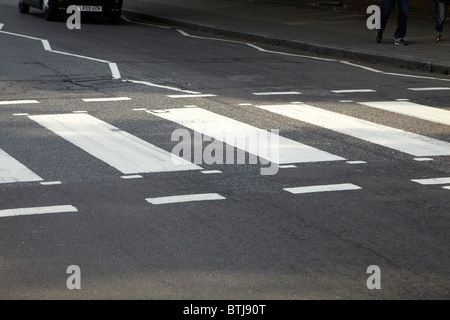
{"x": 287, "y": 166}
{"x": 134, "y": 176}
{"x": 236, "y": 134}
{"x": 182, "y": 96}
{"x": 323, "y": 188}
{"x": 275, "y": 93}
{"x": 396, "y": 139}
{"x": 446, "y": 187}
{"x": 356, "y": 162}
{"x": 13, "y": 171}
{"x": 185, "y": 198}
{"x": 20, "y": 114}
{"x": 150, "y": 84}
{"x": 18, "y": 102}
{"x": 51, "y": 183}
{"x": 119, "y": 149}
{"x": 413, "y": 110}
{"x": 106, "y": 99}
{"x": 432, "y": 181}
{"x": 211, "y": 171}
{"x": 36, "y": 211}
{"x": 423, "y": 159}
{"x": 430, "y": 89}
{"x": 353, "y": 91}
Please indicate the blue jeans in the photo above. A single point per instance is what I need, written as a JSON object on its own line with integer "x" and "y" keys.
{"x": 440, "y": 17}
{"x": 386, "y": 10}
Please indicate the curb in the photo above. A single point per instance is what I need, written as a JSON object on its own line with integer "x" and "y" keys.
{"x": 304, "y": 47}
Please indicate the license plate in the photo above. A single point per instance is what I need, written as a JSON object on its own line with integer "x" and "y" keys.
{"x": 90, "y": 8}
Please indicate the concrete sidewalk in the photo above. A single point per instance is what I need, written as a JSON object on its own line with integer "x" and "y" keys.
{"x": 315, "y": 31}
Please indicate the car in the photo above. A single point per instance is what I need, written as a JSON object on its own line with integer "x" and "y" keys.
{"x": 52, "y": 8}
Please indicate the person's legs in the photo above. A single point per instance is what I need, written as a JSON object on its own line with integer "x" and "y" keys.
{"x": 400, "y": 32}
{"x": 386, "y": 9}
{"x": 441, "y": 15}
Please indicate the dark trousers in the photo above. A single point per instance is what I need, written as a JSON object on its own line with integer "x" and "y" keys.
{"x": 386, "y": 10}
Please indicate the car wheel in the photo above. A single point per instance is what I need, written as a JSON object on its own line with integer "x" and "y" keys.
{"x": 23, "y": 8}
{"x": 49, "y": 13}
{"x": 114, "y": 17}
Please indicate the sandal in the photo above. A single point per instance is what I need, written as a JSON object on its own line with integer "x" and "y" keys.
{"x": 439, "y": 40}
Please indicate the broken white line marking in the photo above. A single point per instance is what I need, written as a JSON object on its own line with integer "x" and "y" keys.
{"x": 323, "y": 188}
{"x": 135, "y": 176}
{"x": 18, "y": 102}
{"x": 431, "y": 181}
{"x": 185, "y": 198}
{"x": 37, "y": 210}
{"x": 51, "y": 183}
{"x": 106, "y": 99}
{"x": 430, "y": 89}
{"x": 181, "y": 96}
{"x": 275, "y": 93}
{"x": 353, "y": 91}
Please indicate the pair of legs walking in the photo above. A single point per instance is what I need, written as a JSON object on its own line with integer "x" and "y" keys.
{"x": 386, "y": 10}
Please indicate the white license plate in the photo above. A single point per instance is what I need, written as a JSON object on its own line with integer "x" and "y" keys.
{"x": 90, "y": 8}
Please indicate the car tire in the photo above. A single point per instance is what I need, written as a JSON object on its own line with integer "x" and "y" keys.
{"x": 114, "y": 17}
{"x": 49, "y": 13}
{"x": 23, "y": 8}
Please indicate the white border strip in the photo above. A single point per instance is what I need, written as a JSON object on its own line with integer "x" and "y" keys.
{"x": 276, "y": 93}
{"x": 430, "y": 89}
{"x": 106, "y": 99}
{"x": 185, "y": 198}
{"x": 353, "y": 91}
{"x": 181, "y": 96}
{"x": 431, "y": 181}
{"x": 3, "y": 103}
{"x": 323, "y": 188}
{"x": 36, "y": 210}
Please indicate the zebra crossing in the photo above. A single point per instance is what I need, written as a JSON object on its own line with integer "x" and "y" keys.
{"x": 132, "y": 156}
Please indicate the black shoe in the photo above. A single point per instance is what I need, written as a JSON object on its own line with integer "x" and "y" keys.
{"x": 379, "y": 36}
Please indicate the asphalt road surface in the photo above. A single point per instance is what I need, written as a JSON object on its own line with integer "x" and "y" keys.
{"x": 111, "y": 141}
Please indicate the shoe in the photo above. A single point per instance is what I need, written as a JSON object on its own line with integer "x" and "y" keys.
{"x": 400, "y": 42}
{"x": 379, "y": 36}
{"x": 439, "y": 40}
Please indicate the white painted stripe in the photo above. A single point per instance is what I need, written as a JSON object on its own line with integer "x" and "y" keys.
{"x": 236, "y": 133}
{"x": 245, "y": 104}
{"x": 1, "y": 26}
{"x": 446, "y": 187}
{"x": 356, "y": 162}
{"x": 323, "y": 188}
{"x": 186, "y": 198}
{"x": 162, "y": 87}
{"x": 135, "y": 176}
{"x": 106, "y": 99}
{"x": 287, "y": 166}
{"x": 353, "y": 91}
{"x": 139, "y": 109}
{"x": 396, "y": 139}
{"x": 401, "y": 99}
{"x": 211, "y": 171}
{"x": 18, "y": 102}
{"x": 36, "y": 210}
{"x": 51, "y": 183}
{"x": 430, "y": 89}
{"x": 182, "y": 96}
{"x": 46, "y": 45}
{"x": 444, "y": 180}
{"x": 119, "y": 149}
{"x": 346, "y": 101}
{"x": 114, "y": 70}
{"x": 20, "y": 114}
{"x": 13, "y": 171}
{"x": 423, "y": 159}
{"x": 275, "y": 93}
{"x": 413, "y": 110}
